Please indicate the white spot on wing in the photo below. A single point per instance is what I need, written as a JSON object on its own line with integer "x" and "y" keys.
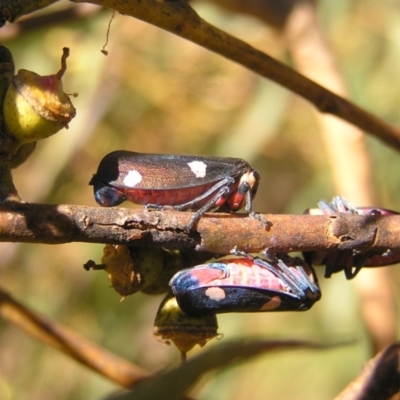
{"x": 198, "y": 168}
{"x": 272, "y": 304}
{"x": 215, "y": 293}
{"x": 132, "y": 178}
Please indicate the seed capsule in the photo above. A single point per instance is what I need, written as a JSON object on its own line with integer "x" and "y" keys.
{"x": 131, "y": 269}
{"x": 35, "y": 107}
{"x": 185, "y": 331}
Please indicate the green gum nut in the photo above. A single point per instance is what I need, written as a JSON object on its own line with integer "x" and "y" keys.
{"x": 173, "y": 325}
{"x": 35, "y": 107}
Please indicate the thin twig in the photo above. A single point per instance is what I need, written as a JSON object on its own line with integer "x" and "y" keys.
{"x": 178, "y": 17}
{"x": 379, "y": 379}
{"x": 180, "y": 380}
{"x": 26, "y": 26}
{"x": 10, "y": 10}
{"x": 67, "y": 341}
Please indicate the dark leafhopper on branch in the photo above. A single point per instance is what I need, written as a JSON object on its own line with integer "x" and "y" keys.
{"x": 246, "y": 284}
{"x": 197, "y": 183}
{"x": 350, "y": 261}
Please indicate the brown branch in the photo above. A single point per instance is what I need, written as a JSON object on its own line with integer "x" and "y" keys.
{"x": 379, "y": 379}
{"x": 216, "y": 232}
{"x": 27, "y": 25}
{"x": 10, "y": 10}
{"x": 174, "y": 383}
{"x": 67, "y": 341}
{"x": 178, "y": 17}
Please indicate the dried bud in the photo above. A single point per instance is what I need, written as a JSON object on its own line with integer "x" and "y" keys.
{"x": 35, "y": 107}
{"x": 172, "y": 263}
{"x": 118, "y": 264}
{"x": 131, "y": 269}
{"x": 149, "y": 270}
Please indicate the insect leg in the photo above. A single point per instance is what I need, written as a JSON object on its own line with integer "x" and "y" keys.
{"x": 297, "y": 285}
{"x": 237, "y": 252}
{"x": 253, "y": 214}
{"x": 207, "y": 206}
{"x": 341, "y": 205}
{"x": 351, "y": 271}
{"x": 294, "y": 283}
{"x": 306, "y": 281}
{"x": 284, "y": 274}
{"x": 257, "y": 216}
{"x": 223, "y": 183}
{"x": 326, "y": 208}
{"x": 156, "y": 207}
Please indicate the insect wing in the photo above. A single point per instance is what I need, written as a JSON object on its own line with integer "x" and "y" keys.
{"x": 235, "y": 285}
{"x": 124, "y": 169}
{"x": 192, "y": 278}
{"x": 218, "y": 300}
{"x": 379, "y": 259}
{"x": 341, "y": 205}
{"x": 375, "y": 211}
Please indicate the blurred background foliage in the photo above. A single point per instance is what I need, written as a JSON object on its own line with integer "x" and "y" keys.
{"x": 156, "y": 92}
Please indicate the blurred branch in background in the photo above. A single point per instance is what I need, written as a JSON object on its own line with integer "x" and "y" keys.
{"x": 10, "y": 10}
{"x": 379, "y": 379}
{"x": 67, "y": 341}
{"x": 182, "y": 379}
{"x": 27, "y": 24}
{"x": 178, "y": 17}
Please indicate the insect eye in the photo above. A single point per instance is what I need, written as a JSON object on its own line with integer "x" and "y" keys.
{"x": 108, "y": 197}
{"x": 254, "y": 179}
